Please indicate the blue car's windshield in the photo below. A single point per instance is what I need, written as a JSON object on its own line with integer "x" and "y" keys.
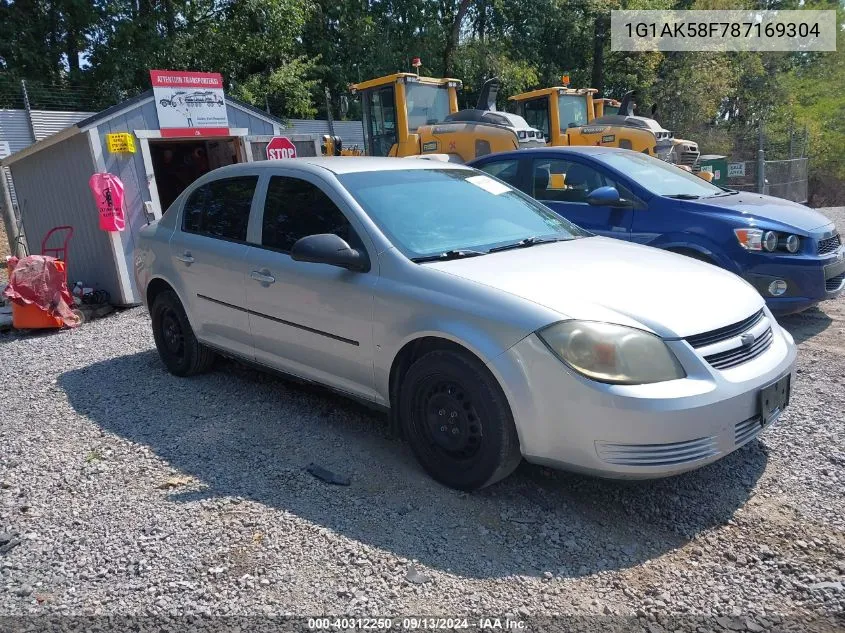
{"x": 658, "y": 177}
{"x": 430, "y": 211}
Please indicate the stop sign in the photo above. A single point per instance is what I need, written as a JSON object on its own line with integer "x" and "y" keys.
{"x": 280, "y": 147}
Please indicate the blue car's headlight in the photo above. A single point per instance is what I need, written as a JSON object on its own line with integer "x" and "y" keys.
{"x": 612, "y": 353}
{"x": 760, "y": 240}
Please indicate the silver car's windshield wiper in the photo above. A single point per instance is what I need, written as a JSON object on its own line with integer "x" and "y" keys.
{"x": 528, "y": 241}
{"x": 447, "y": 255}
{"x": 726, "y": 192}
{"x": 684, "y": 196}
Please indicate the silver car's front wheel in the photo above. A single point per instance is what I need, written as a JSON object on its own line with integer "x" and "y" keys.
{"x": 458, "y": 421}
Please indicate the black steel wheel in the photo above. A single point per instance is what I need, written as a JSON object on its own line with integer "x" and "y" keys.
{"x": 457, "y": 420}
{"x": 177, "y": 346}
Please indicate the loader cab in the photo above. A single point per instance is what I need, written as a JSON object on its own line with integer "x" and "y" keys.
{"x": 555, "y": 110}
{"x": 605, "y": 107}
{"x": 396, "y": 106}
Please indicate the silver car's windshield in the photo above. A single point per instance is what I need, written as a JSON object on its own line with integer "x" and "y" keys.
{"x": 659, "y": 177}
{"x": 429, "y": 211}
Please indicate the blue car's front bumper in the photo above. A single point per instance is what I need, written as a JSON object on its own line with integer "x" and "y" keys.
{"x": 809, "y": 279}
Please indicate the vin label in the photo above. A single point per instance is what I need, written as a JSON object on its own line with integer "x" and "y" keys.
{"x": 720, "y": 31}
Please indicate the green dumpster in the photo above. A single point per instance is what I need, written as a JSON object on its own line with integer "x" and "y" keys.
{"x": 716, "y": 165}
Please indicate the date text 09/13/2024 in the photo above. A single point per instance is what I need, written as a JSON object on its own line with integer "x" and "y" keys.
{"x": 415, "y": 624}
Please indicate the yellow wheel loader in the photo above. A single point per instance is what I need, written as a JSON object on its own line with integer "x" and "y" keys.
{"x": 333, "y": 146}
{"x": 408, "y": 115}
{"x": 569, "y": 116}
{"x": 605, "y": 106}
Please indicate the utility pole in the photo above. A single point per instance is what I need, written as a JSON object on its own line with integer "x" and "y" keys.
{"x": 28, "y": 109}
{"x": 10, "y": 220}
{"x": 761, "y": 160}
{"x": 791, "y": 131}
{"x": 329, "y": 111}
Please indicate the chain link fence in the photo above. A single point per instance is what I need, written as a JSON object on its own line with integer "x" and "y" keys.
{"x": 787, "y": 179}
{"x": 781, "y": 178}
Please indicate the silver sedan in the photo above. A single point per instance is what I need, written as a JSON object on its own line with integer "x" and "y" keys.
{"x": 489, "y": 327}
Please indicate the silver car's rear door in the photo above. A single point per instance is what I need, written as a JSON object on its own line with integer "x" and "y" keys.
{"x": 208, "y": 253}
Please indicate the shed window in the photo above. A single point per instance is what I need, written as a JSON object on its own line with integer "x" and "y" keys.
{"x": 220, "y": 208}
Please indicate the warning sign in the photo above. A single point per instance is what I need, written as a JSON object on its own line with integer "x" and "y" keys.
{"x": 120, "y": 143}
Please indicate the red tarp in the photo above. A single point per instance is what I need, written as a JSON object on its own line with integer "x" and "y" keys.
{"x": 41, "y": 280}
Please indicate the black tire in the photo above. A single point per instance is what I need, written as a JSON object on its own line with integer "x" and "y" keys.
{"x": 475, "y": 444}
{"x": 179, "y": 349}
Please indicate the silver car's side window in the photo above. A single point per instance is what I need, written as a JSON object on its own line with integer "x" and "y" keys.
{"x": 295, "y": 208}
{"x": 220, "y": 208}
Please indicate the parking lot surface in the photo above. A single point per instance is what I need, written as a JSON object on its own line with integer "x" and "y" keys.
{"x": 126, "y": 490}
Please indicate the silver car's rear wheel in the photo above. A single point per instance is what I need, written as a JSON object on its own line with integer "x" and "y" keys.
{"x": 458, "y": 421}
{"x": 177, "y": 346}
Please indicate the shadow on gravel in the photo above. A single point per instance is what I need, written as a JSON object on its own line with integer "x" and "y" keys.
{"x": 805, "y": 325}
{"x": 244, "y": 433}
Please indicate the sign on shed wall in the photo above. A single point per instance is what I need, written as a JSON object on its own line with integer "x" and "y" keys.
{"x": 190, "y": 103}
{"x": 120, "y": 143}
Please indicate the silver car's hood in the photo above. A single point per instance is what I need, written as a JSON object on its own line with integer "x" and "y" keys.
{"x": 609, "y": 280}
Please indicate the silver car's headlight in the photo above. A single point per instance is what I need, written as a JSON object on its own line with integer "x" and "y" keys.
{"x": 612, "y": 353}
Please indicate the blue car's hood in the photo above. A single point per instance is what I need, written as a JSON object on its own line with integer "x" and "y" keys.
{"x": 755, "y": 205}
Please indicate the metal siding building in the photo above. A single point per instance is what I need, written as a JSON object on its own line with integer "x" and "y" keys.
{"x": 351, "y": 132}
{"x": 52, "y": 176}
{"x": 48, "y": 122}
{"x": 17, "y": 127}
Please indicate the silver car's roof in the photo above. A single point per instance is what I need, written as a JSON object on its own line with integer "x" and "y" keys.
{"x": 340, "y": 164}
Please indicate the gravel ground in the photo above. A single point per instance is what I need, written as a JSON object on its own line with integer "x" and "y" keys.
{"x": 126, "y": 490}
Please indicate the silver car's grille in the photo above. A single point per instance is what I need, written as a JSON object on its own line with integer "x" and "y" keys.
{"x": 833, "y": 284}
{"x": 747, "y": 429}
{"x": 724, "y": 333}
{"x": 658, "y": 454}
{"x": 829, "y": 245}
{"x": 752, "y": 336}
{"x": 742, "y": 354}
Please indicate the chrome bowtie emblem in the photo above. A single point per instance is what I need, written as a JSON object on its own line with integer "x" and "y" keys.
{"x": 747, "y": 339}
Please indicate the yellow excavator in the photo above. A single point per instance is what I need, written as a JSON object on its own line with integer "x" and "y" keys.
{"x": 408, "y": 115}
{"x": 569, "y": 116}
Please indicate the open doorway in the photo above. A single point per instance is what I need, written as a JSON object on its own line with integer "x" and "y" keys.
{"x": 178, "y": 163}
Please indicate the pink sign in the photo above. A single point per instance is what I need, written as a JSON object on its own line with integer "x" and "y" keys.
{"x": 108, "y": 196}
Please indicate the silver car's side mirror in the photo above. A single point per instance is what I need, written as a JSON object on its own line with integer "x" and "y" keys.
{"x": 331, "y": 249}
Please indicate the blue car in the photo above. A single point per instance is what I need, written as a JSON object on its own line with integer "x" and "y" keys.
{"x": 791, "y": 254}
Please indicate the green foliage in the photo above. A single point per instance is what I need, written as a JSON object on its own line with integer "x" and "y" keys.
{"x": 284, "y": 54}
{"x": 478, "y": 61}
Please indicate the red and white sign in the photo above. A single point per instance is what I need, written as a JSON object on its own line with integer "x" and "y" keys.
{"x": 280, "y": 147}
{"x": 189, "y": 103}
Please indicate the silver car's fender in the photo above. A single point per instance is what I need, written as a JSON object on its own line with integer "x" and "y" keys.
{"x": 415, "y": 301}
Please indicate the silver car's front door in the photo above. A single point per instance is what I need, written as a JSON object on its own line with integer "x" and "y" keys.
{"x": 208, "y": 253}
{"x": 311, "y": 320}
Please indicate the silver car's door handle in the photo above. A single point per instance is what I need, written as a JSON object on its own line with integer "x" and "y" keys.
{"x": 263, "y": 276}
{"x": 186, "y": 257}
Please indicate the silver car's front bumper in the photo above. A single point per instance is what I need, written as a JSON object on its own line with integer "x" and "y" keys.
{"x": 567, "y": 421}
